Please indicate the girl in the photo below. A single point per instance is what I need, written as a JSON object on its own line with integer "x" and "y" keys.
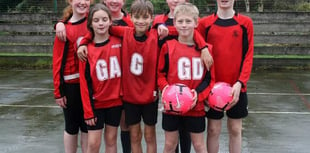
{"x": 66, "y": 76}
{"x": 101, "y": 82}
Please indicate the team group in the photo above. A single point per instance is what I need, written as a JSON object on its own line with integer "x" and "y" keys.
{"x": 109, "y": 67}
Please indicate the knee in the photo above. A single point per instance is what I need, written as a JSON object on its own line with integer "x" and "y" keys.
{"x": 200, "y": 146}
{"x": 235, "y": 130}
{"x": 214, "y": 131}
{"x": 170, "y": 146}
{"x": 135, "y": 137}
{"x": 93, "y": 145}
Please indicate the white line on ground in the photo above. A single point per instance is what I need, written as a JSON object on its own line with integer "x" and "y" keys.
{"x": 250, "y": 112}
{"x": 250, "y": 93}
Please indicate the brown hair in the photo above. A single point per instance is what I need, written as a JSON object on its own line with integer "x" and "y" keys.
{"x": 94, "y": 9}
{"x": 142, "y": 7}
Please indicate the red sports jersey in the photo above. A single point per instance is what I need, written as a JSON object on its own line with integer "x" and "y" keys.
{"x": 139, "y": 64}
{"x": 101, "y": 76}
{"x": 181, "y": 63}
{"x": 65, "y": 61}
{"x": 233, "y": 46}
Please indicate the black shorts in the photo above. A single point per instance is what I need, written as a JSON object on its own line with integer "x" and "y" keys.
{"x": 240, "y": 110}
{"x": 134, "y": 113}
{"x": 110, "y": 116}
{"x": 73, "y": 114}
{"x": 189, "y": 123}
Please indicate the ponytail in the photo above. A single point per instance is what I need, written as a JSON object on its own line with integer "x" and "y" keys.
{"x": 67, "y": 13}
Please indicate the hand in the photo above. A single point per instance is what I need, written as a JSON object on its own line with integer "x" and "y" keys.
{"x": 235, "y": 91}
{"x": 62, "y": 102}
{"x": 195, "y": 98}
{"x": 61, "y": 31}
{"x": 206, "y": 58}
{"x": 91, "y": 122}
{"x": 82, "y": 53}
{"x": 163, "y": 31}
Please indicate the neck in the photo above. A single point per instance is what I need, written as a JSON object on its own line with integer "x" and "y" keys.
{"x": 117, "y": 15}
{"x": 225, "y": 14}
{"x": 186, "y": 40}
{"x": 101, "y": 38}
{"x": 170, "y": 14}
{"x": 76, "y": 17}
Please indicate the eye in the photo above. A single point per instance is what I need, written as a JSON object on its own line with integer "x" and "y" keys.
{"x": 95, "y": 20}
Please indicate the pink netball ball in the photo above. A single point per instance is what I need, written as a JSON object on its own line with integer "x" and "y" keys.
{"x": 220, "y": 96}
{"x": 177, "y": 99}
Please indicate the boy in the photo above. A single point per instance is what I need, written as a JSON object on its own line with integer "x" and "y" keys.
{"x": 231, "y": 35}
{"x": 179, "y": 62}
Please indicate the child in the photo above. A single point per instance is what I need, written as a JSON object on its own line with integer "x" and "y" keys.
{"x": 179, "y": 62}
{"x": 121, "y": 18}
{"x": 66, "y": 76}
{"x": 101, "y": 82}
{"x": 231, "y": 35}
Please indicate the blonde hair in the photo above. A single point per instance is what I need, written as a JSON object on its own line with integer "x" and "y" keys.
{"x": 188, "y": 9}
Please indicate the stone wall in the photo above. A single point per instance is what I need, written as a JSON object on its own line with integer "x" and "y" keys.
{"x": 281, "y": 39}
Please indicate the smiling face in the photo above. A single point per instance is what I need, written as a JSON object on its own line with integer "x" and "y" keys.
{"x": 80, "y": 6}
{"x": 101, "y": 22}
{"x": 185, "y": 24}
{"x": 225, "y": 4}
{"x": 115, "y": 6}
{"x": 141, "y": 22}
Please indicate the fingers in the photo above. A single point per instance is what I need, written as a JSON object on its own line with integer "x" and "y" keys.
{"x": 91, "y": 122}
{"x": 61, "y": 102}
{"x": 82, "y": 53}
{"x": 195, "y": 97}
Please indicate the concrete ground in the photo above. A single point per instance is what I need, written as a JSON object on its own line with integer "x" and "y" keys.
{"x": 278, "y": 122}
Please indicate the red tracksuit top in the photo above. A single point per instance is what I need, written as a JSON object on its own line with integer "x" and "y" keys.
{"x": 139, "y": 64}
{"x": 233, "y": 46}
{"x": 100, "y": 76}
{"x": 65, "y": 61}
{"x": 180, "y": 63}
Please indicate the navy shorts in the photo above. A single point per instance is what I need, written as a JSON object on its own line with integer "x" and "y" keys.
{"x": 240, "y": 110}
{"x": 134, "y": 113}
{"x": 73, "y": 114}
{"x": 189, "y": 123}
{"x": 109, "y": 116}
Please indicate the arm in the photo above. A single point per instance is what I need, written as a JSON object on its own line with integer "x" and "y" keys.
{"x": 85, "y": 93}
{"x": 58, "y": 50}
{"x": 60, "y": 31}
{"x": 118, "y": 31}
{"x": 82, "y": 46}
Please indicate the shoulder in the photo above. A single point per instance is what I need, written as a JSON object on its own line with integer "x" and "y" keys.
{"x": 207, "y": 20}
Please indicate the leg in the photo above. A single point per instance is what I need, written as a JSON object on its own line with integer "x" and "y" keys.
{"x": 94, "y": 141}
{"x": 110, "y": 138}
{"x": 83, "y": 140}
{"x": 70, "y": 142}
{"x": 171, "y": 141}
{"x": 234, "y": 127}
{"x": 135, "y": 138}
{"x": 198, "y": 142}
{"x": 213, "y": 135}
{"x": 185, "y": 140}
{"x": 150, "y": 138}
{"x": 125, "y": 137}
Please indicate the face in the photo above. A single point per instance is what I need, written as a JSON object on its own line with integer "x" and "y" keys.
{"x": 173, "y": 3}
{"x": 114, "y": 6}
{"x": 101, "y": 22}
{"x": 141, "y": 23}
{"x": 225, "y": 4}
{"x": 185, "y": 25}
{"x": 80, "y": 6}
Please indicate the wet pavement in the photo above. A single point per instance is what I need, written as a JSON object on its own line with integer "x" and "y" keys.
{"x": 278, "y": 121}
